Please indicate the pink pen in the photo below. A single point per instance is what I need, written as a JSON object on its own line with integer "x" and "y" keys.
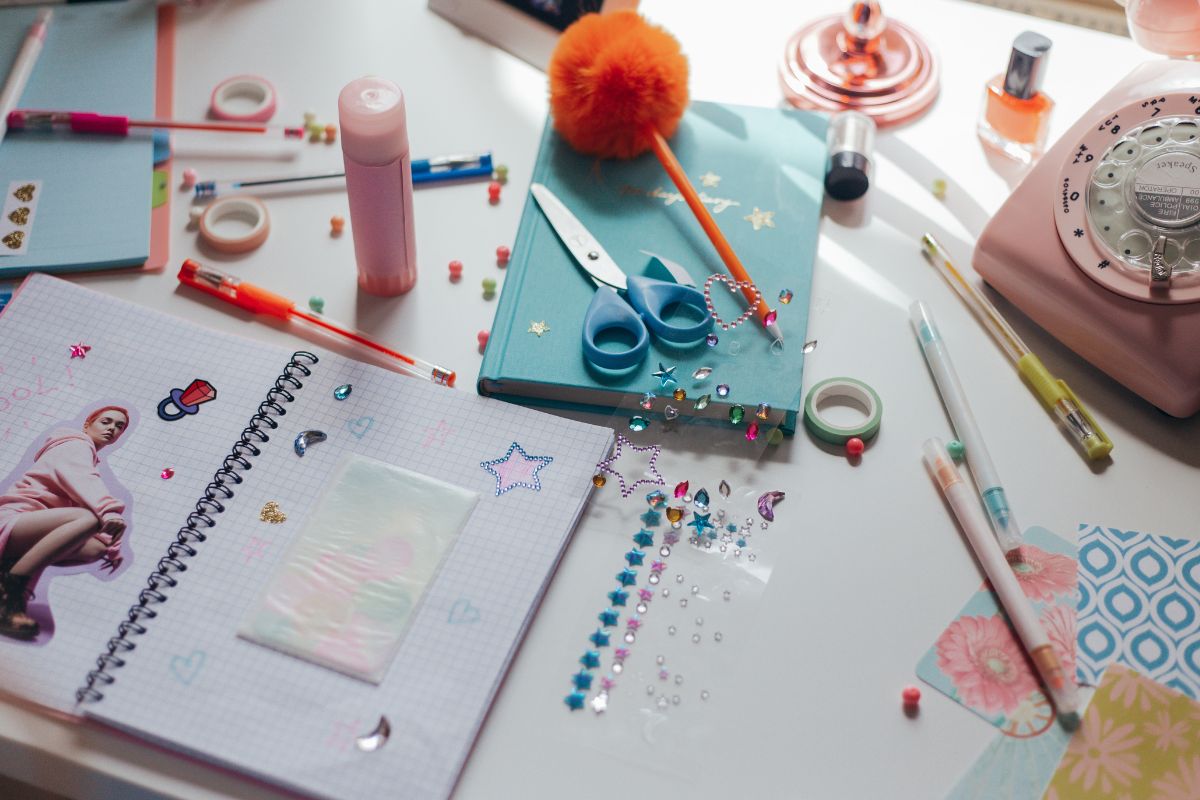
{"x": 379, "y": 184}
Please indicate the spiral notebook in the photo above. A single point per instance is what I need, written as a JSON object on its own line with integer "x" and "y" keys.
{"x": 236, "y": 457}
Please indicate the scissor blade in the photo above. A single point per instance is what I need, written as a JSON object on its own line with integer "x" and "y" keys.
{"x": 587, "y": 251}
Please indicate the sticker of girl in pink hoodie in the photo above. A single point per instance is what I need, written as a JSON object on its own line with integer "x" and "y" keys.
{"x": 61, "y": 510}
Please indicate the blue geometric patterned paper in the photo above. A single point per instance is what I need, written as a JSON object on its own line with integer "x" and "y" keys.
{"x": 1139, "y": 604}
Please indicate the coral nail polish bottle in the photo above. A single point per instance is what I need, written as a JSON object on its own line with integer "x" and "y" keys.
{"x": 1016, "y": 114}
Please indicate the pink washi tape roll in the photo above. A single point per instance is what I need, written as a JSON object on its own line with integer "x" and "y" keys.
{"x": 249, "y": 210}
{"x": 231, "y": 97}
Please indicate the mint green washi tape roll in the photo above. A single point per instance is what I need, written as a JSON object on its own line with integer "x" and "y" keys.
{"x": 849, "y": 389}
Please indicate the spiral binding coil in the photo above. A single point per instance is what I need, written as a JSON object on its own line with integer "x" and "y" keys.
{"x": 200, "y": 519}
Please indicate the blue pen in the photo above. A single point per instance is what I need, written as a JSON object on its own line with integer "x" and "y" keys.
{"x": 424, "y": 170}
{"x": 955, "y": 400}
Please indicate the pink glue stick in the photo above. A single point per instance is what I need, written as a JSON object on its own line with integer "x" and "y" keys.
{"x": 374, "y": 135}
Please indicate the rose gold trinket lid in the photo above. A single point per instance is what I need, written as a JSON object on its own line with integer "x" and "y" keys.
{"x": 863, "y": 62}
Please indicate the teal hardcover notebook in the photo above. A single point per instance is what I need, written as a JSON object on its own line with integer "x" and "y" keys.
{"x": 760, "y": 172}
{"x": 93, "y": 204}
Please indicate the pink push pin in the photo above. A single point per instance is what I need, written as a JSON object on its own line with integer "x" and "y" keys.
{"x": 189, "y": 178}
{"x": 911, "y": 696}
{"x": 456, "y": 268}
{"x": 482, "y": 336}
{"x": 503, "y": 254}
{"x": 494, "y": 192}
{"x": 855, "y": 448}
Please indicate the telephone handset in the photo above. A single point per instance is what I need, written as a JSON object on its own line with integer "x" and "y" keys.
{"x": 1100, "y": 244}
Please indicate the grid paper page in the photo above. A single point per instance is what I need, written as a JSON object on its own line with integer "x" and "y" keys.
{"x": 137, "y": 356}
{"x": 295, "y": 723}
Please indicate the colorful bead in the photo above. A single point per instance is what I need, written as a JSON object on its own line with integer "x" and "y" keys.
{"x": 494, "y": 192}
{"x": 189, "y": 178}
{"x": 855, "y": 446}
{"x": 736, "y": 414}
{"x": 786, "y": 296}
{"x": 456, "y": 269}
{"x": 336, "y": 225}
{"x": 315, "y": 133}
{"x": 647, "y": 401}
{"x": 503, "y": 254}
{"x": 702, "y": 402}
{"x": 489, "y": 288}
{"x": 722, "y": 390}
{"x": 638, "y": 424}
{"x": 751, "y": 431}
{"x": 911, "y": 696}
{"x": 598, "y": 480}
{"x": 330, "y": 134}
{"x": 167, "y": 474}
{"x": 679, "y": 394}
{"x": 680, "y": 490}
{"x": 501, "y": 173}
{"x": 343, "y": 391}
{"x": 763, "y": 411}
{"x": 316, "y": 303}
{"x": 711, "y": 340}
{"x": 956, "y": 449}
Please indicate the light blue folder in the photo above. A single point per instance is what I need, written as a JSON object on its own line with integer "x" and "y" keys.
{"x": 94, "y": 208}
{"x": 764, "y": 160}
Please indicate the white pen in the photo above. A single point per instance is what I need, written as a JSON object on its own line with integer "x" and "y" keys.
{"x": 955, "y": 400}
{"x": 22, "y": 67}
{"x": 996, "y": 566}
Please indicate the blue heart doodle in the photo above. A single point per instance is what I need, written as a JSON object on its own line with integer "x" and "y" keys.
{"x": 359, "y": 427}
{"x": 186, "y": 669}
{"x": 462, "y": 612}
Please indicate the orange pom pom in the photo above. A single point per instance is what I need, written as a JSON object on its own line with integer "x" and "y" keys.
{"x": 614, "y": 80}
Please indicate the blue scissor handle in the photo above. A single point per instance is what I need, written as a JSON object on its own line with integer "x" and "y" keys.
{"x": 650, "y": 297}
{"x": 606, "y": 312}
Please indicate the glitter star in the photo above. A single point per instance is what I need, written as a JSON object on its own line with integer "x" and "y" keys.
{"x": 656, "y": 478}
{"x": 621, "y": 653}
{"x": 700, "y": 523}
{"x": 651, "y": 518}
{"x": 607, "y": 683}
{"x": 618, "y": 597}
{"x": 761, "y": 219}
{"x": 608, "y": 617}
{"x": 635, "y": 558}
{"x": 1078, "y": 233}
{"x": 646, "y": 595}
{"x": 538, "y": 328}
{"x": 600, "y": 703}
{"x": 582, "y": 680}
{"x": 643, "y": 538}
{"x": 627, "y": 577}
{"x": 574, "y": 700}
{"x": 633, "y": 623}
{"x": 80, "y": 350}
{"x": 708, "y": 180}
{"x": 599, "y": 638}
{"x": 520, "y": 471}
{"x": 658, "y": 566}
{"x": 590, "y": 659}
{"x": 665, "y": 375}
{"x": 671, "y": 537}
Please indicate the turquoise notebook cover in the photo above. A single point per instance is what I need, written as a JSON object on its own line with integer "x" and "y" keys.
{"x": 760, "y": 172}
{"x": 94, "y": 208}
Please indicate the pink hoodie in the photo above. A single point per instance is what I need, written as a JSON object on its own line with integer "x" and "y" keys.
{"x": 64, "y": 475}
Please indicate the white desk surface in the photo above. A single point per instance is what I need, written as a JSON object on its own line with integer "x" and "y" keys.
{"x": 867, "y": 566}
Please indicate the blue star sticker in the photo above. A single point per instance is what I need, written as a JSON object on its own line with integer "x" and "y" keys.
{"x": 608, "y": 617}
{"x": 582, "y": 680}
{"x": 700, "y": 523}
{"x": 599, "y": 638}
{"x": 590, "y": 659}
{"x": 627, "y": 577}
{"x": 731, "y": 528}
{"x": 575, "y": 700}
{"x": 618, "y": 597}
{"x": 512, "y": 472}
{"x": 635, "y": 558}
{"x": 651, "y": 518}
{"x": 643, "y": 539}
{"x": 665, "y": 375}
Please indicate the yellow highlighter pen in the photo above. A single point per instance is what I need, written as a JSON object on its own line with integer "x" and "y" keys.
{"x": 1055, "y": 395}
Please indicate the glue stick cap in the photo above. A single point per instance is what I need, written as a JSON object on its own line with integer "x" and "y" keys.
{"x": 373, "y": 121}
{"x": 851, "y": 140}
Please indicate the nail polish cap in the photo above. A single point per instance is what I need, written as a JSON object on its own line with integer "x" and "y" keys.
{"x": 1026, "y": 65}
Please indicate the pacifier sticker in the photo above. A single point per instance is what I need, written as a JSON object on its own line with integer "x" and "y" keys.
{"x": 17, "y": 216}
{"x": 185, "y": 402}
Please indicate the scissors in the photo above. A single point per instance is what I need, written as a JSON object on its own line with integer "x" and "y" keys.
{"x": 641, "y": 311}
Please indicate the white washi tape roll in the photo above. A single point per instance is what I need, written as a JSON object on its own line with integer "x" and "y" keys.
{"x": 229, "y": 99}
{"x": 249, "y": 209}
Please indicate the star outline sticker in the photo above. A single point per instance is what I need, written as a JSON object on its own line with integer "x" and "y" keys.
{"x": 503, "y": 477}
{"x": 627, "y": 489}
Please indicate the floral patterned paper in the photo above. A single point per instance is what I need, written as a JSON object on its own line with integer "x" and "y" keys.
{"x": 1139, "y": 740}
{"x": 978, "y": 659}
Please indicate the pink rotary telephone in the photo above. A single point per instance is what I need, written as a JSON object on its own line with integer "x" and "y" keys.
{"x": 1100, "y": 244}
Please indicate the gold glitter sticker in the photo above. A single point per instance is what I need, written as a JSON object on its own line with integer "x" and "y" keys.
{"x": 271, "y": 513}
{"x": 761, "y": 219}
{"x": 20, "y": 216}
{"x": 14, "y": 240}
{"x": 24, "y": 193}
